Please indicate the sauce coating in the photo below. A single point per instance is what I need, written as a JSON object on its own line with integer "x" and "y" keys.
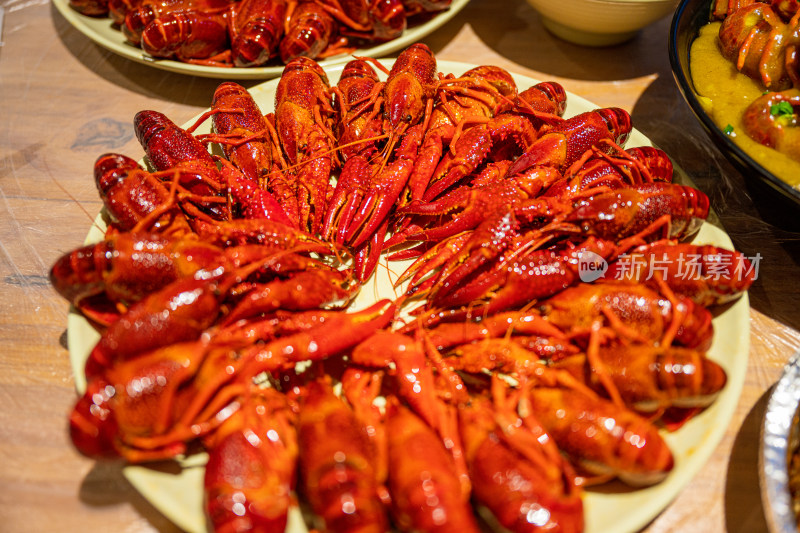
{"x": 724, "y": 94}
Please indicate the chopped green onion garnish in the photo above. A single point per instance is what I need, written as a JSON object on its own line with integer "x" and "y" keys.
{"x": 728, "y": 129}
{"x": 781, "y": 108}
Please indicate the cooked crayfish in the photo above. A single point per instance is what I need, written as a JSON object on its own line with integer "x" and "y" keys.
{"x": 337, "y": 466}
{"x": 758, "y": 41}
{"x": 498, "y": 378}
{"x": 633, "y": 310}
{"x": 778, "y": 130}
{"x": 256, "y": 27}
{"x": 250, "y": 474}
{"x": 254, "y": 33}
{"x": 303, "y": 119}
{"x": 519, "y": 475}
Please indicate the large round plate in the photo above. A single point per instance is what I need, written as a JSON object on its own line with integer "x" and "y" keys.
{"x": 689, "y": 17}
{"x": 179, "y": 496}
{"x": 101, "y": 31}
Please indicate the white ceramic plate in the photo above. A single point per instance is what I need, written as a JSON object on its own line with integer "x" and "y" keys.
{"x": 179, "y": 497}
{"x": 101, "y": 31}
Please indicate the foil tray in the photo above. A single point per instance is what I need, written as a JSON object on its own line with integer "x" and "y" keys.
{"x": 780, "y": 439}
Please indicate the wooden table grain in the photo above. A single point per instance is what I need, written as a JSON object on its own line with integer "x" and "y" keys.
{"x": 64, "y": 101}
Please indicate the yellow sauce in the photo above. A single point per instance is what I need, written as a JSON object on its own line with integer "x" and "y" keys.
{"x": 724, "y": 93}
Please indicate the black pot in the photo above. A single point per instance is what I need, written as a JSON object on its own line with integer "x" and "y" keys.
{"x": 689, "y": 17}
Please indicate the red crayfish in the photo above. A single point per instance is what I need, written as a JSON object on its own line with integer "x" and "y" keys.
{"x": 552, "y": 325}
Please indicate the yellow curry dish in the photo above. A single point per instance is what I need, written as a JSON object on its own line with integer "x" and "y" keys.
{"x": 747, "y": 86}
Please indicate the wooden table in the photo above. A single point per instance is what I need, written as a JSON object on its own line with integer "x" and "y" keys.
{"x": 64, "y": 101}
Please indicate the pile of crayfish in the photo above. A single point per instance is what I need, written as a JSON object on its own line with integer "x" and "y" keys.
{"x": 497, "y": 378}
{"x": 254, "y": 33}
{"x": 760, "y": 37}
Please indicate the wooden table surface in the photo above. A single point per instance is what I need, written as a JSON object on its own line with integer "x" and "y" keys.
{"x": 64, "y": 101}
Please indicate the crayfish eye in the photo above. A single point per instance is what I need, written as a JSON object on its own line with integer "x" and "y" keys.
{"x": 407, "y": 118}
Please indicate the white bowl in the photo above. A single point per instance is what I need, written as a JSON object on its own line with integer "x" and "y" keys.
{"x": 600, "y": 22}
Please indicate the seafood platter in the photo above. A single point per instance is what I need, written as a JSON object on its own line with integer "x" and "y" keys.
{"x": 405, "y": 295}
{"x": 252, "y": 39}
{"x": 733, "y": 63}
